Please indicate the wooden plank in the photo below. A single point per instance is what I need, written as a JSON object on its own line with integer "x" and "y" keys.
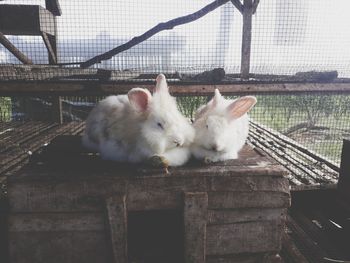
{"x": 58, "y": 247}
{"x": 245, "y": 215}
{"x": 195, "y": 223}
{"x": 85, "y": 194}
{"x": 15, "y": 51}
{"x": 246, "y": 38}
{"x": 249, "y": 237}
{"x": 117, "y": 218}
{"x": 54, "y": 7}
{"x": 50, "y": 46}
{"x": 233, "y": 200}
{"x": 83, "y": 87}
{"x": 57, "y": 115}
{"x": 55, "y": 222}
{"x": 249, "y": 183}
{"x": 240, "y": 258}
{"x": 344, "y": 175}
{"x": 308, "y": 247}
{"x": 291, "y": 251}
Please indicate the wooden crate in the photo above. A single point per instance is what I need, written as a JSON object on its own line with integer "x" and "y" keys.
{"x": 67, "y": 205}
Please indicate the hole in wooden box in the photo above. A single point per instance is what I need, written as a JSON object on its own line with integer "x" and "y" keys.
{"x": 156, "y": 236}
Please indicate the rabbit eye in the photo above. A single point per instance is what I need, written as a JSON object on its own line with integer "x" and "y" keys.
{"x": 160, "y": 125}
{"x": 207, "y": 126}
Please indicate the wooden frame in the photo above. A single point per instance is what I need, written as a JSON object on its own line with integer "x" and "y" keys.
{"x": 87, "y": 88}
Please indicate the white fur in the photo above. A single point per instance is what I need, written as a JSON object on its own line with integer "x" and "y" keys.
{"x": 121, "y": 130}
{"x": 219, "y": 133}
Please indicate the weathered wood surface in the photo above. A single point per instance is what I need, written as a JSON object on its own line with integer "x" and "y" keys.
{"x": 96, "y": 87}
{"x": 344, "y": 176}
{"x": 247, "y": 13}
{"x": 53, "y": 6}
{"x": 19, "y": 139}
{"x": 229, "y": 208}
{"x": 58, "y": 247}
{"x": 195, "y": 226}
{"x": 117, "y": 219}
{"x": 26, "y": 20}
{"x": 222, "y": 239}
{"x": 245, "y": 215}
{"x": 307, "y": 169}
{"x": 247, "y": 237}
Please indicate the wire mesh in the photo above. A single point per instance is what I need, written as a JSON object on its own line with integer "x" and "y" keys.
{"x": 287, "y": 36}
{"x": 318, "y": 121}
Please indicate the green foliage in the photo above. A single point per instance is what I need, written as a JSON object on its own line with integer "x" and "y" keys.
{"x": 189, "y": 105}
{"x": 5, "y": 109}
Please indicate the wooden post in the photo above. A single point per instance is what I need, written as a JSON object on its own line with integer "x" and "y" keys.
{"x": 57, "y": 109}
{"x": 195, "y": 224}
{"x": 117, "y": 218}
{"x": 15, "y": 51}
{"x": 246, "y": 38}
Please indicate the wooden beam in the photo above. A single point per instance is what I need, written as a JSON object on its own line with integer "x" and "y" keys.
{"x": 8, "y": 88}
{"x": 57, "y": 109}
{"x": 238, "y": 5}
{"x": 117, "y": 218}
{"x": 15, "y": 51}
{"x": 50, "y": 45}
{"x": 255, "y": 6}
{"x": 246, "y": 38}
{"x": 195, "y": 223}
{"x": 54, "y": 7}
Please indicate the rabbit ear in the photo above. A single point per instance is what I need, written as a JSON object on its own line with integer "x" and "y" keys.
{"x": 210, "y": 105}
{"x": 161, "y": 85}
{"x": 216, "y": 99}
{"x": 240, "y": 106}
{"x": 140, "y": 98}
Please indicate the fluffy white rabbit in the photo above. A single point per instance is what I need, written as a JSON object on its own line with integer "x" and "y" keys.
{"x": 221, "y": 128}
{"x": 138, "y": 126}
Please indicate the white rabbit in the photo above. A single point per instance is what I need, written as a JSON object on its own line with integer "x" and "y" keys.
{"x": 221, "y": 128}
{"x": 138, "y": 126}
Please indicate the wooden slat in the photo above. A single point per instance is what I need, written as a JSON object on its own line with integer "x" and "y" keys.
{"x": 195, "y": 223}
{"x": 290, "y": 251}
{"x": 246, "y": 38}
{"x": 98, "y": 88}
{"x": 233, "y": 238}
{"x": 15, "y": 51}
{"x": 50, "y": 48}
{"x": 245, "y": 215}
{"x": 117, "y": 218}
{"x": 53, "y": 6}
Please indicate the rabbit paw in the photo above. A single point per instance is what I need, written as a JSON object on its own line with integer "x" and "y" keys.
{"x": 208, "y": 160}
{"x": 159, "y": 162}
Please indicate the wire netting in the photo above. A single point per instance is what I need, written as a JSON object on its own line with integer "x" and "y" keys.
{"x": 318, "y": 121}
{"x": 288, "y": 36}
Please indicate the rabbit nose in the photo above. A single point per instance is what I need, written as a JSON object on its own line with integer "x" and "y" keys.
{"x": 177, "y": 143}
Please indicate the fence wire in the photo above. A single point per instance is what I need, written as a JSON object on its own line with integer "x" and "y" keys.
{"x": 319, "y": 121}
{"x": 288, "y": 36}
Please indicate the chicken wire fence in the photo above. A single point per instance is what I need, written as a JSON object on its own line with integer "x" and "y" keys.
{"x": 318, "y": 121}
{"x": 288, "y": 36}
